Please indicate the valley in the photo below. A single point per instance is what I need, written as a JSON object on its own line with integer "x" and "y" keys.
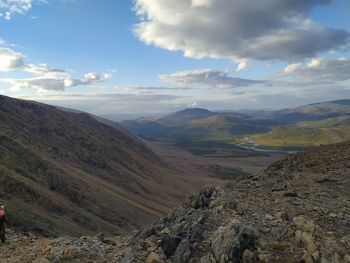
{"x": 203, "y": 132}
{"x": 78, "y": 186}
{"x": 225, "y": 165}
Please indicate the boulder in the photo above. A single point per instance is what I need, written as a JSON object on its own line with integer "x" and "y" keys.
{"x": 169, "y": 244}
{"x": 229, "y": 243}
{"x": 183, "y": 252}
{"x": 203, "y": 199}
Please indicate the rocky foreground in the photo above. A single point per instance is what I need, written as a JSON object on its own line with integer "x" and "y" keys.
{"x": 297, "y": 210}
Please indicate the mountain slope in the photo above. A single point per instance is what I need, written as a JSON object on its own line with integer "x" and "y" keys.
{"x": 311, "y": 112}
{"x": 183, "y": 117}
{"x": 297, "y": 210}
{"x": 298, "y": 136}
{"x": 197, "y": 124}
{"x": 66, "y": 172}
{"x": 315, "y": 124}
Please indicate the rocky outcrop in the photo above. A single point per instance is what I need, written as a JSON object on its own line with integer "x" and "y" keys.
{"x": 248, "y": 220}
{"x": 230, "y": 242}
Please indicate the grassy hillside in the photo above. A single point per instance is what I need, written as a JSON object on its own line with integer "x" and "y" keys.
{"x": 302, "y": 136}
{"x": 66, "y": 172}
{"x": 340, "y": 121}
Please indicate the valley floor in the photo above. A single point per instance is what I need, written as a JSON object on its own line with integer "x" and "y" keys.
{"x": 201, "y": 166}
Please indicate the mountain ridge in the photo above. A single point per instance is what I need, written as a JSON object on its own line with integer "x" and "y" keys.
{"x": 233, "y": 127}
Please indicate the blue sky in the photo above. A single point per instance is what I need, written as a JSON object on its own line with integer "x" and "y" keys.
{"x": 110, "y": 57}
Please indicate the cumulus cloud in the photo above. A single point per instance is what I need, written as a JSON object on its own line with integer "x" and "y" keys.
{"x": 10, "y": 7}
{"x": 52, "y": 81}
{"x": 45, "y": 77}
{"x": 93, "y": 77}
{"x": 44, "y": 69}
{"x": 40, "y": 83}
{"x": 208, "y": 77}
{"x": 240, "y": 30}
{"x": 292, "y": 68}
{"x": 320, "y": 70}
{"x": 10, "y": 60}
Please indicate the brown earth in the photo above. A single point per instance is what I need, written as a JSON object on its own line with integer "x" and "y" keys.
{"x": 297, "y": 210}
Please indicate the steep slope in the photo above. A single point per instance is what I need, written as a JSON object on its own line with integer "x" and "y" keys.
{"x": 65, "y": 172}
{"x": 297, "y": 210}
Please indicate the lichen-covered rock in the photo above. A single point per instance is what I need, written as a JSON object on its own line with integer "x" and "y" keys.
{"x": 230, "y": 242}
{"x": 183, "y": 252}
{"x": 203, "y": 199}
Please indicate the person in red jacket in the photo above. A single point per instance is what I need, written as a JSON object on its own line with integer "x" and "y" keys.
{"x": 3, "y": 220}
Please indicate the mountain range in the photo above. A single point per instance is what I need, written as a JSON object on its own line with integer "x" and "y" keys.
{"x": 303, "y": 126}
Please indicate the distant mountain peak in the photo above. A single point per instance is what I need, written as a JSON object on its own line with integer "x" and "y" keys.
{"x": 194, "y": 110}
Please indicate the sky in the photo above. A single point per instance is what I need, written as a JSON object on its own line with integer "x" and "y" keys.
{"x": 148, "y": 57}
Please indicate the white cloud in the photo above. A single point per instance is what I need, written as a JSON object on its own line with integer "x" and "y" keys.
{"x": 193, "y": 105}
{"x": 207, "y": 77}
{"x": 46, "y": 70}
{"x": 52, "y": 81}
{"x": 237, "y": 30}
{"x": 314, "y": 63}
{"x": 92, "y": 77}
{"x": 320, "y": 70}
{"x": 10, "y": 60}
{"x": 242, "y": 65}
{"x": 292, "y": 67}
{"x": 45, "y": 77}
{"x": 10, "y": 7}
